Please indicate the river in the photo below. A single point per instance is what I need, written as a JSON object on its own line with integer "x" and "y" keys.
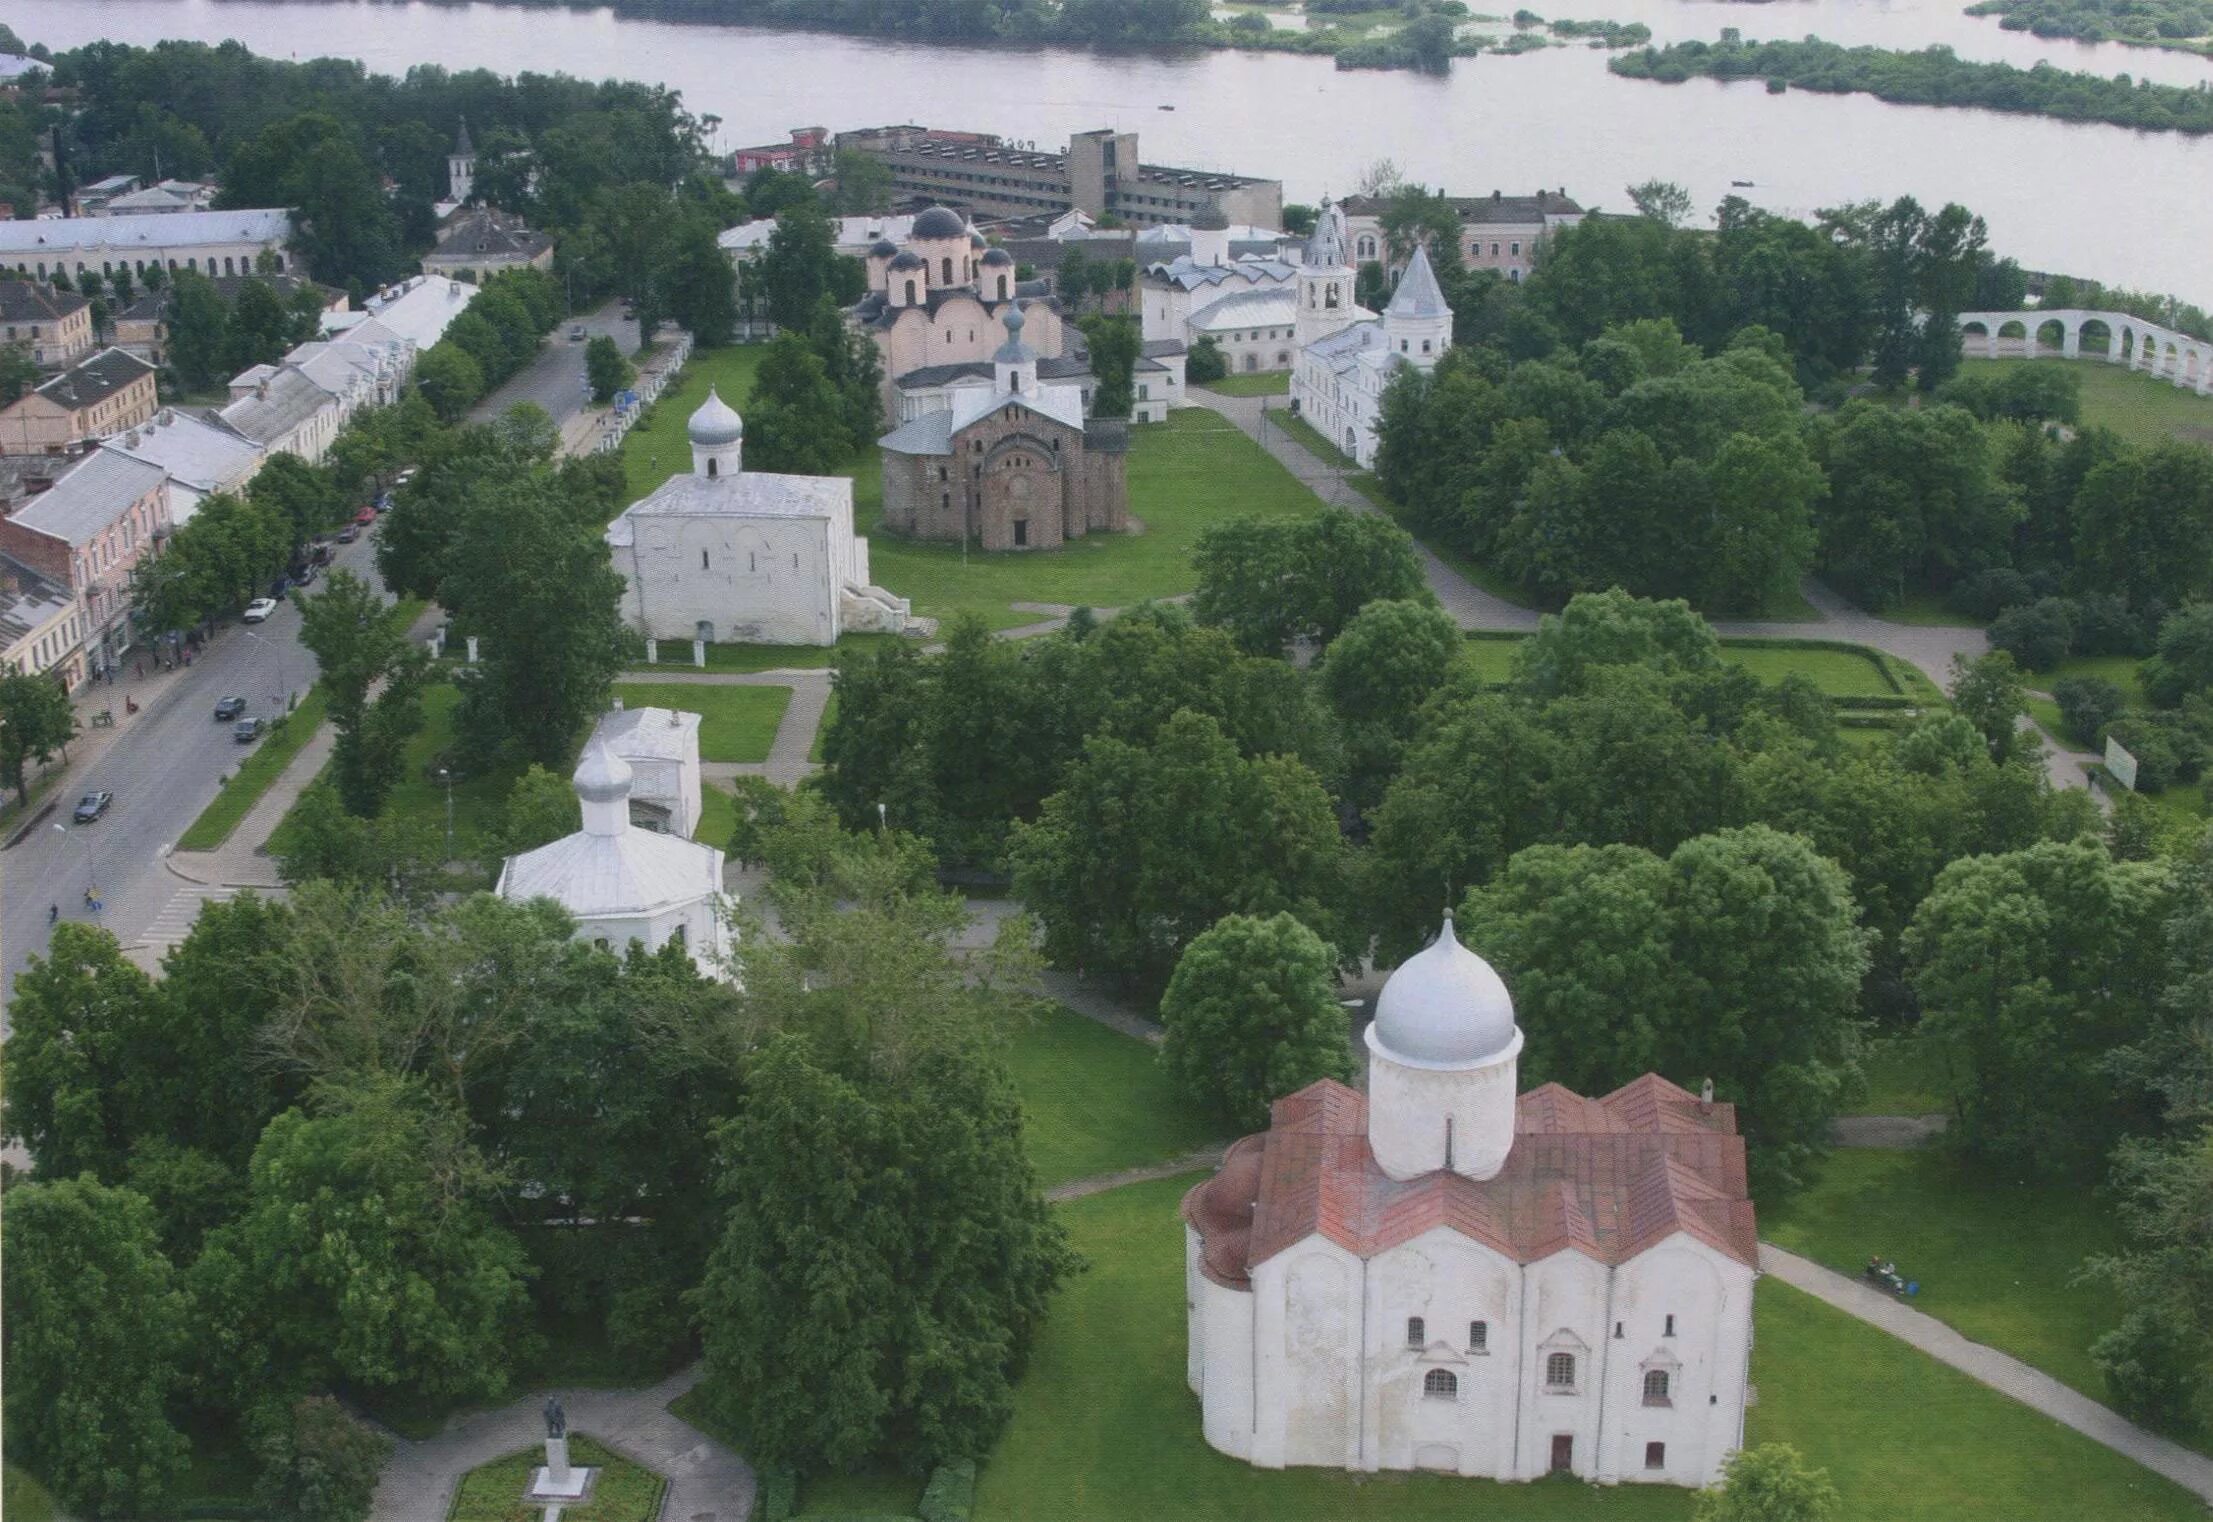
{"x": 2130, "y": 208}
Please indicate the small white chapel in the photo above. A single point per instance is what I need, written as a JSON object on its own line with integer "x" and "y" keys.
{"x": 1441, "y": 1274}
{"x": 753, "y": 557}
{"x": 625, "y": 884}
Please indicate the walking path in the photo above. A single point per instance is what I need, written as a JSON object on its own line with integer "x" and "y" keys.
{"x": 1100, "y": 1183}
{"x": 2008, "y": 1376}
{"x": 707, "y": 1482}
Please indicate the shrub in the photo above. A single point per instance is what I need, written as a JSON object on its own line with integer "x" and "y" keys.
{"x": 1206, "y": 362}
{"x": 779, "y": 1495}
{"x": 318, "y": 1464}
{"x": 2086, "y": 705}
{"x": 1986, "y": 594}
{"x": 2106, "y": 625}
{"x": 2039, "y": 635}
{"x": 950, "y": 1494}
{"x": 2150, "y": 1366}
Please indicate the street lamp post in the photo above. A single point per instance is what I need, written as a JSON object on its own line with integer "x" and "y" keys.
{"x": 446, "y": 776}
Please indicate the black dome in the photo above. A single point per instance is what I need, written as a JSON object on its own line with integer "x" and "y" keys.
{"x": 910, "y": 261}
{"x": 997, "y": 257}
{"x": 975, "y": 240}
{"x": 882, "y": 248}
{"x": 937, "y": 222}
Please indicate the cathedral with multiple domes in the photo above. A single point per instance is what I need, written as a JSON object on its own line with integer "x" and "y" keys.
{"x": 1443, "y": 1273}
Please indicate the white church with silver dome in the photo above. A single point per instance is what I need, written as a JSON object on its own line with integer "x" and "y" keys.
{"x": 724, "y": 554}
{"x": 1446, "y": 1274}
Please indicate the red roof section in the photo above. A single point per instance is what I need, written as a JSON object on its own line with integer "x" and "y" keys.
{"x": 1607, "y": 1177}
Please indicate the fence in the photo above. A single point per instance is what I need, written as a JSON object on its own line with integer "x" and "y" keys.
{"x": 662, "y": 368}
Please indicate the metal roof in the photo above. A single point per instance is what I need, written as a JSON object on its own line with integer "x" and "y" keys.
{"x": 88, "y": 500}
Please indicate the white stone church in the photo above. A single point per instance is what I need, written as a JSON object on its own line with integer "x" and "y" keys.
{"x": 1344, "y": 367}
{"x": 1442, "y": 1275}
{"x": 750, "y": 557}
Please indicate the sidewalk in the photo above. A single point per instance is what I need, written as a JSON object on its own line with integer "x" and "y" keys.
{"x": 239, "y": 862}
{"x": 2008, "y": 1376}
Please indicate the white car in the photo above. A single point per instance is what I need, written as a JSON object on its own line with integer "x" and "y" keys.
{"x": 259, "y": 609}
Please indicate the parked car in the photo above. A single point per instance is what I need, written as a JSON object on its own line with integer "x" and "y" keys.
{"x": 321, "y": 552}
{"x": 227, "y": 709}
{"x": 404, "y": 477}
{"x": 304, "y": 574}
{"x": 383, "y": 503}
{"x": 576, "y": 334}
{"x": 92, "y": 805}
{"x": 367, "y": 515}
{"x": 246, "y": 731}
{"x": 259, "y": 609}
{"x": 349, "y": 533}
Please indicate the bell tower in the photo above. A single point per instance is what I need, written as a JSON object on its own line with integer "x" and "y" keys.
{"x": 1325, "y": 279}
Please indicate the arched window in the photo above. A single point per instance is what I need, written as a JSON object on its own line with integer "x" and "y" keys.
{"x": 910, "y": 293}
{"x": 948, "y": 267}
{"x": 1329, "y": 297}
{"x": 1441, "y": 1384}
{"x": 711, "y": 462}
{"x": 1002, "y": 287}
{"x": 1415, "y": 1332}
{"x": 1559, "y": 1371}
{"x": 1367, "y": 247}
{"x": 1479, "y": 1336}
{"x": 1655, "y": 1387}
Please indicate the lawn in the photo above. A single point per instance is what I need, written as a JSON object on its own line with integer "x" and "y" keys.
{"x": 718, "y": 816}
{"x": 877, "y": 1493}
{"x": 1492, "y": 656}
{"x": 2137, "y": 406}
{"x": 1259, "y": 383}
{"x": 1899, "y": 1081}
{"x": 2120, "y": 670}
{"x": 1841, "y": 674}
{"x": 1097, "y": 1101}
{"x": 1994, "y": 1258}
{"x": 261, "y": 768}
{"x": 657, "y": 448}
{"x": 23, "y": 1499}
{"x": 621, "y": 1491}
{"x": 1185, "y": 476}
{"x": 1104, "y": 1426}
{"x": 1927, "y": 610}
{"x": 1311, "y": 440}
{"x": 735, "y": 723}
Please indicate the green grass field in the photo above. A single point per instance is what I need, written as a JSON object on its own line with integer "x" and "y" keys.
{"x": 2117, "y": 669}
{"x": 1994, "y": 1258}
{"x": 1926, "y": 610}
{"x": 23, "y": 1499}
{"x": 875, "y": 1494}
{"x": 1842, "y": 674}
{"x": 621, "y": 1492}
{"x": 1310, "y": 439}
{"x": 2134, "y": 405}
{"x": 1899, "y": 1080}
{"x": 1104, "y": 1427}
{"x": 718, "y": 816}
{"x": 735, "y": 723}
{"x": 1097, "y": 1101}
{"x": 261, "y": 768}
{"x": 657, "y": 448}
{"x": 1259, "y": 383}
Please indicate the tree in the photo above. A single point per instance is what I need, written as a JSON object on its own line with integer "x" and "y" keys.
{"x": 1145, "y": 846}
{"x": 1377, "y": 674}
{"x": 361, "y": 647}
{"x": 605, "y": 368}
{"x": 1271, "y": 580}
{"x": 324, "y": 842}
{"x": 2155, "y": 1360}
{"x": 302, "y": 496}
{"x": 36, "y": 719}
{"x": 450, "y": 380}
{"x": 318, "y": 1463}
{"x": 796, "y": 270}
{"x": 367, "y": 1253}
{"x": 2183, "y": 663}
{"x": 18, "y": 372}
{"x": 863, "y": 183}
{"x": 1988, "y": 692}
{"x": 94, "y": 1332}
{"x": 1663, "y": 201}
{"x": 541, "y": 808}
{"x": 1769, "y": 1483}
{"x": 74, "y": 1058}
{"x": 2038, "y": 635}
{"x": 1602, "y": 630}
{"x": 1206, "y": 361}
{"x": 1414, "y": 217}
{"x": 796, "y": 421}
{"x": 2037, "y": 962}
{"x": 701, "y": 288}
{"x": 2087, "y": 704}
{"x": 884, "y": 1261}
{"x": 1252, "y": 1015}
{"x": 1115, "y": 343}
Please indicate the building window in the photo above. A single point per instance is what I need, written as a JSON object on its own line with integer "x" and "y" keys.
{"x": 1670, "y": 1332}
{"x": 1416, "y": 1333}
{"x": 910, "y": 293}
{"x": 1559, "y": 1371}
{"x": 1517, "y": 250}
{"x": 1441, "y": 1384}
{"x": 948, "y": 265}
{"x": 1021, "y": 532}
{"x": 1655, "y": 1455}
{"x": 1655, "y": 1388}
{"x": 1425, "y": 346}
{"x": 1479, "y": 1336}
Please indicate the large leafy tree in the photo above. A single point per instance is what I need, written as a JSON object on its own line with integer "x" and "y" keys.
{"x": 1770, "y": 1482}
{"x": 1272, "y": 580}
{"x": 368, "y": 1253}
{"x": 1377, "y": 674}
{"x": 1252, "y": 1015}
{"x": 885, "y": 1259}
{"x": 362, "y": 648}
{"x": 79, "y": 1064}
{"x": 36, "y": 720}
{"x": 797, "y": 421}
{"x": 1146, "y": 845}
{"x": 94, "y": 1333}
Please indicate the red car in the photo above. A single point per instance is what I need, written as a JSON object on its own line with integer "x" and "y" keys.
{"x": 366, "y": 516}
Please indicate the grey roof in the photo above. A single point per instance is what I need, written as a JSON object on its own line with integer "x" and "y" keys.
{"x": 169, "y": 229}
{"x": 993, "y": 258}
{"x": 744, "y": 494}
{"x": 1066, "y": 367}
{"x": 632, "y": 872}
{"x": 1325, "y": 246}
{"x": 461, "y": 143}
{"x": 419, "y": 309}
{"x": 910, "y": 260}
{"x": 1342, "y": 349}
{"x": 663, "y": 734}
{"x": 1495, "y": 207}
{"x": 1246, "y": 309}
{"x": 931, "y": 433}
{"x": 938, "y": 222}
{"x": 31, "y": 301}
{"x": 883, "y": 248}
{"x": 484, "y": 234}
{"x": 1189, "y": 276}
{"x": 1156, "y": 347}
{"x": 152, "y": 198}
{"x": 267, "y": 420}
{"x": 94, "y": 380}
{"x": 190, "y": 450}
{"x": 1417, "y": 294}
{"x": 31, "y": 604}
{"x": 87, "y": 500}
{"x": 938, "y": 375}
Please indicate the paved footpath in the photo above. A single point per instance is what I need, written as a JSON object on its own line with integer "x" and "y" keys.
{"x": 2009, "y": 1376}
{"x": 707, "y": 1482}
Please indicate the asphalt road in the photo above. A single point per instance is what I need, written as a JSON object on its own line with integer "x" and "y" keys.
{"x": 555, "y": 379}
{"x": 163, "y": 769}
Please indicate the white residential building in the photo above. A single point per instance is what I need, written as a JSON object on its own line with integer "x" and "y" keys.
{"x": 211, "y": 242}
{"x": 1441, "y": 1275}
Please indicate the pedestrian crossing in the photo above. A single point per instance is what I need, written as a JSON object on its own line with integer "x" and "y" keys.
{"x": 175, "y": 921}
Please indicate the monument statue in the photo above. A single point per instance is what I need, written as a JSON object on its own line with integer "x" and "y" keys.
{"x": 557, "y": 1420}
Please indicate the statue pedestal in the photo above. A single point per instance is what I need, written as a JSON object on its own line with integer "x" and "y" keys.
{"x": 556, "y": 1480}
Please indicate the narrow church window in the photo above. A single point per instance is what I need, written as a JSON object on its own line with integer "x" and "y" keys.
{"x": 948, "y": 272}
{"x": 1415, "y": 1332}
{"x": 1655, "y": 1388}
{"x": 1670, "y": 1332}
{"x": 703, "y": 560}
{"x": 1479, "y": 1336}
{"x": 752, "y": 562}
{"x": 1617, "y": 1330}
{"x": 1441, "y": 1384}
{"x": 910, "y": 293}
{"x": 711, "y": 463}
{"x": 1655, "y": 1455}
{"x": 1559, "y": 1371}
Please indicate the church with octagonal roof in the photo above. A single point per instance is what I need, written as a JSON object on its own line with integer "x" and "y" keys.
{"x": 1446, "y": 1274}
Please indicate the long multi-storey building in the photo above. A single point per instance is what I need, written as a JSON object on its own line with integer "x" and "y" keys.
{"x": 1497, "y": 232}
{"x": 1099, "y": 174}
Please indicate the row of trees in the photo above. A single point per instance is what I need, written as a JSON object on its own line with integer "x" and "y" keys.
{"x": 495, "y": 335}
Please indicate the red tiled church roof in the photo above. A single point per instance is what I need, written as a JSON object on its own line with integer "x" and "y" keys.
{"x": 1608, "y": 1177}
